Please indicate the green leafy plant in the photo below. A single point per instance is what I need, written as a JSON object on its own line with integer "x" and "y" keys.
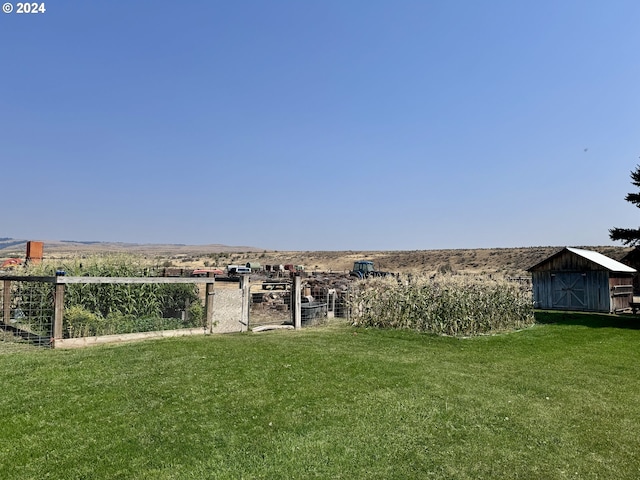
{"x": 80, "y": 322}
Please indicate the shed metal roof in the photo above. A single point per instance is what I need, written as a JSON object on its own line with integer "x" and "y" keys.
{"x": 602, "y": 260}
{"x": 595, "y": 257}
{"x": 606, "y": 262}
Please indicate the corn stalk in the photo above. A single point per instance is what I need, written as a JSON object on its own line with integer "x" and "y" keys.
{"x": 445, "y": 305}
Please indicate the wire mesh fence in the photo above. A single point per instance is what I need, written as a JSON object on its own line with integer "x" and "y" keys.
{"x": 270, "y": 303}
{"x": 50, "y": 311}
{"x": 322, "y": 296}
{"x": 325, "y": 295}
{"x": 27, "y": 309}
{"x": 108, "y": 309}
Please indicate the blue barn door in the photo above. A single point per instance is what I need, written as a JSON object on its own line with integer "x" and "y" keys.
{"x": 568, "y": 291}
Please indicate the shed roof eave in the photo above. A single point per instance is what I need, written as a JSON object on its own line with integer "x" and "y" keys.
{"x": 595, "y": 257}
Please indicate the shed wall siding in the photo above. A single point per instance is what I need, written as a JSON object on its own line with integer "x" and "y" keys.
{"x": 576, "y": 290}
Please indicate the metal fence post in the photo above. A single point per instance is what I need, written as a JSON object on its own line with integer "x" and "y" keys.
{"x": 296, "y": 300}
{"x": 348, "y": 303}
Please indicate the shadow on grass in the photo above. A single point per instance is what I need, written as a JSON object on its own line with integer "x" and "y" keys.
{"x": 587, "y": 319}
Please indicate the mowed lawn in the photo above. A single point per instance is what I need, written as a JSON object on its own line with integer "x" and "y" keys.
{"x": 560, "y": 400}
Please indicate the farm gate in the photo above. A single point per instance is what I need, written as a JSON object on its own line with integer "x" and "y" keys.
{"x": 296, "y": 302}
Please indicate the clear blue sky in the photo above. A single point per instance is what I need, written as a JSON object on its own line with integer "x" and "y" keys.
{"x": 321, "y": 125}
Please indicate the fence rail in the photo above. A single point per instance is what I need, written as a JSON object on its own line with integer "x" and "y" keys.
{"x": 33, "y": 308}
{"x": 67, "y": 311}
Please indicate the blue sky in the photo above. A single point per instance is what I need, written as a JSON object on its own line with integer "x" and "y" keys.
{"x": 321, "y": 125}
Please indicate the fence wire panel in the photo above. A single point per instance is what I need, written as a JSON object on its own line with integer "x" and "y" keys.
{"x": 324, "y": 296}
{"x": 96, "y": 309}
{"x": 28, "y": 309}
{"x": 270, "y": 302}
{"x": 314, "y": 303}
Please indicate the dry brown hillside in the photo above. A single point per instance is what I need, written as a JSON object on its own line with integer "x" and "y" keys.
{"x": 509, "y": 261}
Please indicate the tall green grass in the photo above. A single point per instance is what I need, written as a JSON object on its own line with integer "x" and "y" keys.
{"x": 445, "y": 305}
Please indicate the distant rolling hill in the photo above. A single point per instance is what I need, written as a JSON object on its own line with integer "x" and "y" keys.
{"x": 511, "y": 261}
{"x": 11, "y": 247}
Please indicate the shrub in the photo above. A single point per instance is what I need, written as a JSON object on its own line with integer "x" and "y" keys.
{"x": 80, "y": 322}
{"x": 196, "y": 315}
{"x": 446, "y": 305}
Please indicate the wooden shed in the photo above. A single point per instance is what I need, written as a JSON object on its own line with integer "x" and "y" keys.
{"x": 584, "y": 280}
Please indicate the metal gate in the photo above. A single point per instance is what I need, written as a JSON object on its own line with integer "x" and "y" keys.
{"x": 270, "y": 304}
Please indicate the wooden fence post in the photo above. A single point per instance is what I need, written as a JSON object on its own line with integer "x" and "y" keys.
{"x": 296, "y": 300}
{"x": 244, "y": 315}
{"x": 208, "y": 306}
{"x": 331, "y": 303}
{"x": 6, "y": 302}
{"x": 58, "y": 302}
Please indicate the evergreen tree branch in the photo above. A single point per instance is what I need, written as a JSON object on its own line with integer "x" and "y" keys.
{"x": 633, "y": 198}
{"x": 628, "y": 236}
{"x": 635, "y": 176}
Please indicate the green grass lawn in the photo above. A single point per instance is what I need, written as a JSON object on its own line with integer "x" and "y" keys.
{"x": 559, "y": 400}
